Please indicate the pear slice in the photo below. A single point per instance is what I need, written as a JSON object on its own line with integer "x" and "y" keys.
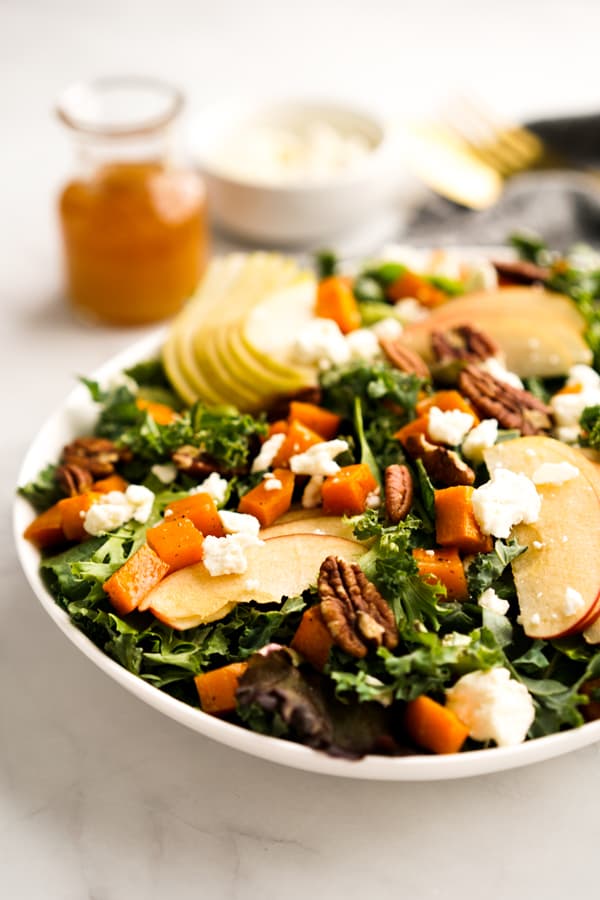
{"x": 282, "y": 566}
{"x": 539, "y": 332}
{"x": 272, "y": 377}
{"x": 310, "y": 525}
{"x": 558, "y": 592}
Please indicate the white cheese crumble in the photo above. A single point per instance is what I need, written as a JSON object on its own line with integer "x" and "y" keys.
{"x": 115, "y": 508}
{"x": 493, "y": 366}
{"x": 410, "y": 311}
{"x": 554, "y": 473}
{"x": 387, "y": 329}
{"x": 312, "y": 494}
{"x": 567, "y": 408}
{"x": 448, "y": 427}
{"x": 574, "y": 602}
{"x": 480, "y": 438}
{"x": 505, "y": 500}
{"x": 215, "y": 486}
{"x": 493, "y": 706}
{"x": 272, "y": 484}
{"x": 268, "y": 452}
{"x": 318, "y": 459}
{"x": 166, "y": 473}
{"x": 239, "y": 523}
{"x": 373, "y": 500}
{"x": 227, "y": 555}
{"x": 363, "y": 343}
{"x": 490, "y": 600}
{"x": 321, "y": 343}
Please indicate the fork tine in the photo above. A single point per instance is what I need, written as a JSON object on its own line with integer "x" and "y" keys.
{"x": 488, "y": 152}
{"x": 523, "y": 147}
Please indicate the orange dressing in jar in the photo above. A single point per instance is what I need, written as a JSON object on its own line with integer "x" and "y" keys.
{"x": 133, "y": 224}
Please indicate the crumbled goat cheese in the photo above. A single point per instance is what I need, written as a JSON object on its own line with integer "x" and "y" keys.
{"x": 363, "y": 344}
{"x": 568, "y": 407}
{"x": 480, "y": 438}
{"x": 490, "y": 600}
{"x": 115, "y": 508}
{"x": 387, "y": 329}
{"x": 272, "y": 484}
{"x": 321, "y": 343}
{"x": 573, "y": 601}
{"x": 227, "y": 555}
{"x": 268, "y": 452}
{"x": 448, "y": 427}
{"x": 410, "y": 311}
{"x": 481, "y": 276}
{"x": 312, "y": 494}
{"x": 505, "y": 500}
{"x": 554, "y": 473}
{"x": 493, "y": 706}
{"x": 239, "y": 523}
{"x": 166, "y": 473}
{"x": 373, "y": 500}
{"x": 215, "y": 486}
{"x": 318, "y": 459}
{"x": 493, "y": 366}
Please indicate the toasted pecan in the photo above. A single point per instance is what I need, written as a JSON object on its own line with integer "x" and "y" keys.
{"x": 513, "y": 407}
{"x": 399, "y": 492}
{"x": 354, "y": 611}
{"x": 404, "y": 359}
{"x": 444, "y": 466}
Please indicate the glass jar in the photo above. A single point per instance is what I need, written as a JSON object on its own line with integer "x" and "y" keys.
{"x": 133, "y": 219}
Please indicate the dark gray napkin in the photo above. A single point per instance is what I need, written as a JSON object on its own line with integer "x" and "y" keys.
{"x": 562, "y": 206}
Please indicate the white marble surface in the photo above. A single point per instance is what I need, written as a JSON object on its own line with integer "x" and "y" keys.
{"x": 101, "y": 797}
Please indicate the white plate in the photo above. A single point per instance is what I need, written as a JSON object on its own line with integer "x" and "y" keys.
{"x": 73, "y": 417}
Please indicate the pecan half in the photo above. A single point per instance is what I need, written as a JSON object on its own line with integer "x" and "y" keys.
{"x": 463, "y": 342}
{"x": 193, "y": 461}
{"x": 354, "y": 611}
{"x": 398, "y": 492}
{"x": 74, "y": 479}
{"x": 512, "y": 407}
{"x": 95, "y": 454}
{"x": 520, "y": 271}
{"x": 444, "y": 466}
{"x": 404, "y": 359}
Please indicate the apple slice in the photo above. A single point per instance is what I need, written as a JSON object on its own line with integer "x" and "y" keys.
{"x": 318, "y": 525}
{"x": 540, "y": 333}
{"x": 558, "y": 593}
{"x": 281, "y": 567}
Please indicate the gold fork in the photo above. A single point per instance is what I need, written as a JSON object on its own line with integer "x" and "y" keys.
{"x": 468, "y": 153}
{"x": 506, "y": 147}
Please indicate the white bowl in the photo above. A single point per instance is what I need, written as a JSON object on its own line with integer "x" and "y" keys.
{"x": 74, "y": 416}
{"x": 305, "y": 209}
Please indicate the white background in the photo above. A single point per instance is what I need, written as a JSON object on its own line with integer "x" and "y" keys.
{"x": 100, "y": 797}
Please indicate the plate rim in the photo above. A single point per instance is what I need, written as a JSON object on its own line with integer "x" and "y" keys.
{"x": 286, "y": 753}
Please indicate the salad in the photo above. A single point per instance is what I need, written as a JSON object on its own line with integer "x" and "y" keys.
{"x": 355, "y": 510}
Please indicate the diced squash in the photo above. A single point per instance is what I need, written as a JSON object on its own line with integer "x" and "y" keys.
{"x": 455, "y": 522}
{"x": 313, "y": 639}
{"x": 160, "y": 412}
{"x": 433, "y": 726}
{"x": 110, "y": 483}
{"x": 446, "y": 401}
{"x": 201, "y": 510}
{"x": 336, "y": 301}
{"x": 46, "y": 529}
{"x": 73, "y": 510}
{"x": 127, "y": 587}
{"x": 316, "y": 418}
{"x": 298, "y": 439}
{"x": 216, "y": 689}
{"x": 409, "y": 284}
{"x": 414, "y": 428}
{"x": 280, "y": 426}
{"x": 444, "y": 566}
{"x": 346, "y": 492}
{"x": 177, "y": 541}
{"x": 268, "y": 505}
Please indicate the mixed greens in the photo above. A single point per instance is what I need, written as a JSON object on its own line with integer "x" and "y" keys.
{"x": 354, "y": 705}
